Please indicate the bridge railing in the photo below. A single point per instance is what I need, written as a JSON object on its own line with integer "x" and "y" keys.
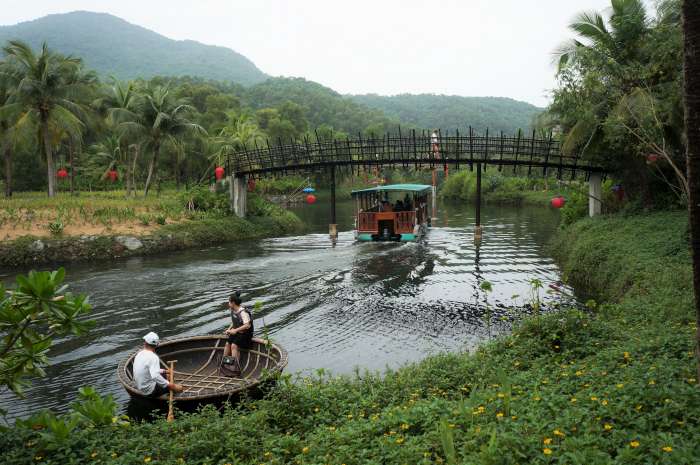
{"x": 513, "y": 152}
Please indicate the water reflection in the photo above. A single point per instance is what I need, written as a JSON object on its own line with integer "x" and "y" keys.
{"x": 335, "y": 305}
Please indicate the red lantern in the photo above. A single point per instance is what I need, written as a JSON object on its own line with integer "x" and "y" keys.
{"x": 219, "y": 173}
{"x": 113, "y": 175}
{"x": 310, "y": 199}
{"x": 558, "y": 202}
{"x": 652, "y": 158}
{"x": 62, "y": 173}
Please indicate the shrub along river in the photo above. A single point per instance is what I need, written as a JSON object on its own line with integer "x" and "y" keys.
{"x": 332, "y": 305}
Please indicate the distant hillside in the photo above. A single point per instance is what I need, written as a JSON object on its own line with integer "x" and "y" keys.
{"x": 112, "y": 46}
{"x": 322, "y": 105}
{"x": 454, "y": 112}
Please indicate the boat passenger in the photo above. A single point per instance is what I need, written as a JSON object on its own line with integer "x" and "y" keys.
{"x": 386, "y": 206}
{"x": 399, "y": 206}
{"x": 148, "y": 374}
{"x": 240, "y": 333}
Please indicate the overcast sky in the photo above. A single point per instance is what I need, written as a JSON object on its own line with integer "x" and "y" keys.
{"x": 462, "y": 47}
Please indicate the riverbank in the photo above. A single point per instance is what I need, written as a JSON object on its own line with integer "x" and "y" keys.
{"x": 108, "y": 226}
{"x": 615, "y": 384}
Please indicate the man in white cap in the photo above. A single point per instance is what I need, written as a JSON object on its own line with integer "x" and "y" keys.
{"x": 148, "y": 374}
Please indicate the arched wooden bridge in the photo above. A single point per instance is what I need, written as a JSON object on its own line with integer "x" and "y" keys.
{"x": 411, "y": 150}
{"x": 518, "y": 153}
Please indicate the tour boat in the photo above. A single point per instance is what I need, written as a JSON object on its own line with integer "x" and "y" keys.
{"x": 395, "y": 212}
{"x": 197, "y": 368}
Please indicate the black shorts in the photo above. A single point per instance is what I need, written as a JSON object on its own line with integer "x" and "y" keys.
{"x": 159, "y": 391}
{"x": 243, "y": 341}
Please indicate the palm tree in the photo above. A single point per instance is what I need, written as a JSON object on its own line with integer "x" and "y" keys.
{"x": 48, "y": 94}
{"x": 613, "y": 39}
{"x": 6, "y": 135}
{"x": 118, "y": 104}
{"x": 691, "y": 71}
{"x": 161, "y": 119}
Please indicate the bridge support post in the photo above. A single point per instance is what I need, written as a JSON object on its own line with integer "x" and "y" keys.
{"x": 478, "y": 229}
{"x": 595, "y": 194}
{"x": 433, "y": 199}
{"x": 333, "y": 227}
{"x": 238, "y": 194}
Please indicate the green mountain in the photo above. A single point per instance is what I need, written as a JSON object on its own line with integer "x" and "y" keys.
{"x": 321, "y": 105}
{"x": 112, "y": 46}
{"x": 454, "y": 112}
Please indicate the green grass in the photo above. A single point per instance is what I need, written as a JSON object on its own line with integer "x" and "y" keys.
{"x": 612, "y": 385}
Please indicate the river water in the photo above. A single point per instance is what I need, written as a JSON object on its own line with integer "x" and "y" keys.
{"x": 331, "y": 305}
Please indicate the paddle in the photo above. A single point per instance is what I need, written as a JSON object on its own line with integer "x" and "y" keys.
{"x": 171, "y": 380}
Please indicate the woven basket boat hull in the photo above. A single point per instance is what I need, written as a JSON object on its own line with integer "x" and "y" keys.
{"x": 197, "y": 368}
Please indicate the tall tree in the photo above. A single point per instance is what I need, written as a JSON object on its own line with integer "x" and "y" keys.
{"x": 49, "y": 95}
{"x": 6, "y": 133}
{"x": 118, "y": 104}
{"x": 691, "y": 71}
{"x": 162, "y": 119}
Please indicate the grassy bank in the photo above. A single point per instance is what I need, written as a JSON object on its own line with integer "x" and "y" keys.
{"x": 108, "y": 225}
{"x": 613, "y": 385}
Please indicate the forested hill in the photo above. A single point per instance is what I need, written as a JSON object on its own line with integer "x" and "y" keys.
{"x": 454, "y": 112}
{"x": 322, "y": 106}
{"x": 112, "y": 46}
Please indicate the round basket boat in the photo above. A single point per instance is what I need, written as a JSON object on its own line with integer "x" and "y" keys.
{"x": 197, "y": 368}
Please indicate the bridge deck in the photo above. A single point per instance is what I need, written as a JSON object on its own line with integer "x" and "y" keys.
{"x": 411, "y": 151}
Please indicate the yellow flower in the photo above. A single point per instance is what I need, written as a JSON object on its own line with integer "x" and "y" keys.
{"x": 594, "y": 398}
{"x": 332, "y": 428}
{"x": 305, "y": 450}
{"x": 399, "y": 440}
{"x": 349, "y": 416}
{"x": 547, "y": 451}
{"x": 267, "y": 454}
{"x": 147, "y": 459}
{"x": 573, "y": 399}
{"x": 93, "y": 455}
{"x": 114, "y": 455}
{"x": 691, "y": 380}
{"x": 38, "y": 457}
{"x": 608, "y": 427}
{"x": 404, "y": 426}
{"x": 605, "y": 402}
{"x": 651, "y": 382}
{"x": 558, "y": 433}
{"x": 667, "y": 448}
{"x": 513, "y": 417}
{"x": 316, "y": 409}
{"x": 626, "y": 355}
{"x": 620, "y": 385}
{"x": 579, "y": 373}
{"x": 634, "y": 444}
{"x": 537, "y": 398}
{"x": 481, "y": 409}
{"x": 547, "y": 441}
{"x": 638, "y": 408}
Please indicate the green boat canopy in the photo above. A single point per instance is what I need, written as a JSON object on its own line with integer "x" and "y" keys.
{"x": 395, "y": 188}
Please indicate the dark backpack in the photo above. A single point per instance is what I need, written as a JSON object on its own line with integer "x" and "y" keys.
{"x": 230, "y": 367}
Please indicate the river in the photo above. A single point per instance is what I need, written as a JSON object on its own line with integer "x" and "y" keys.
{"x": 331, "y": 305}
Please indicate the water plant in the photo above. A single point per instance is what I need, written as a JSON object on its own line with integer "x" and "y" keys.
{"x": 486, "y": 288}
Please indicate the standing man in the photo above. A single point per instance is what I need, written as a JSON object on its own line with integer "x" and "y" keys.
{"x": 148, "y": 374}
{"x": 435, "y": 143}
{"x": 240, "y": 333}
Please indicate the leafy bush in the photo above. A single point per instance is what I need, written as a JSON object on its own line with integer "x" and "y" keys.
{"x": 202, "y": 199}
{"x": 160, "y": 219}
{"x": 56, "y": 228}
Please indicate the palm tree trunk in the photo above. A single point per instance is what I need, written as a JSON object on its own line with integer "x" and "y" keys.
{"x": 133, "y": 169}
{"x": 152, "y": 167}
{"x": 8, "y": 169}
{"x": 691, "y": 71}
{"x": 49, "y": 157}
{"x": 127, "y": 173}
{"x": 70, "y": 160}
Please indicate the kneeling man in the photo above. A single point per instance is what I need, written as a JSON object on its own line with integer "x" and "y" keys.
{"x": 148, "y": 374}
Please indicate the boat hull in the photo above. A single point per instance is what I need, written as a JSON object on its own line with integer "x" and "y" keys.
{"x": 419, "y": 232}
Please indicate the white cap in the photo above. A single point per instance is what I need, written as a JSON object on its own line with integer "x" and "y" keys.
{"x": 151, "y": 339}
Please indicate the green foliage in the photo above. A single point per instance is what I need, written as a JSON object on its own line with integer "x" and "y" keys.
{"x": 575, "y": 208}
{"x": 429, "y": 111}
{"x": 31, "y": 314}
{"x": 92, "y": 408}
{"x": 619, "y": 97}
{"x": 56, "y": 228}
{"x": 201, "y": 198}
